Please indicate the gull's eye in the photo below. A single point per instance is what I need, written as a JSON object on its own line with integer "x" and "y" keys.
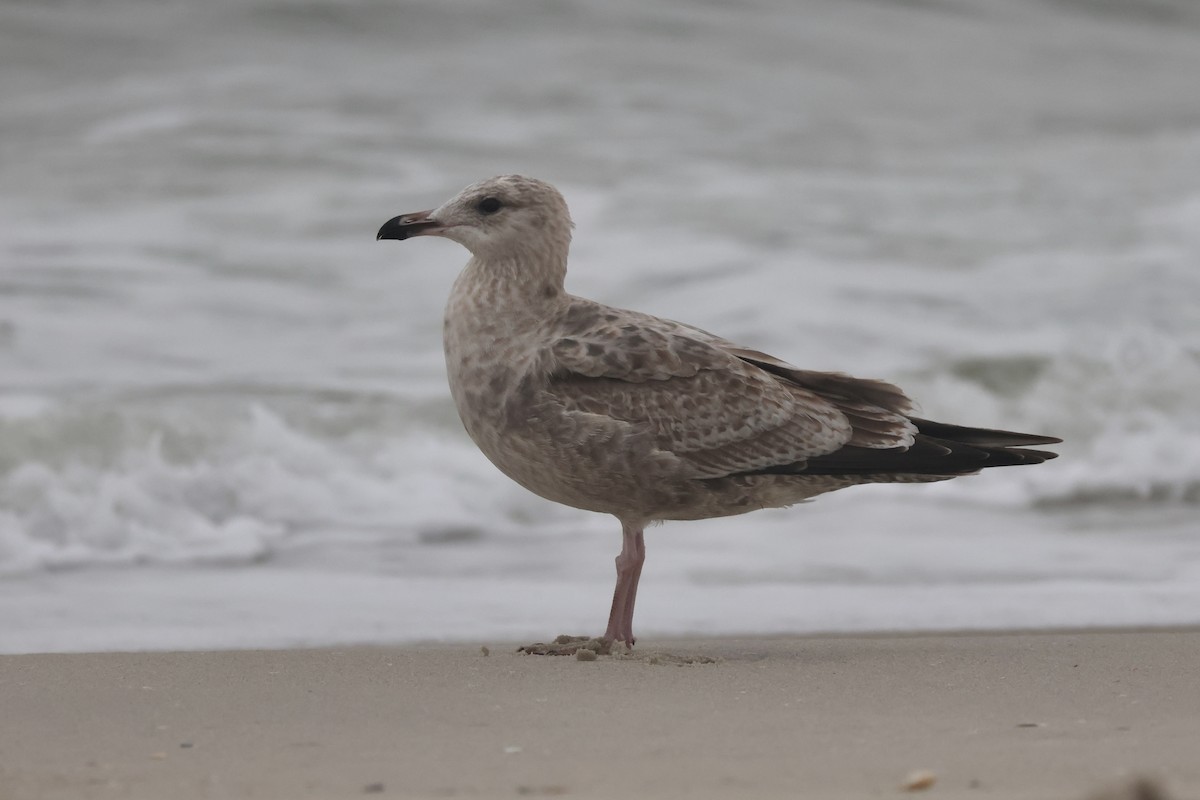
{"x": 488, "y": 205}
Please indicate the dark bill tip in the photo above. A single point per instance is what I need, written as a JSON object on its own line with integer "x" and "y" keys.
{"x": 407, "y": 225}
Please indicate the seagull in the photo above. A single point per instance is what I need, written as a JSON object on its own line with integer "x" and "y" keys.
{"x": 647, "y": 419}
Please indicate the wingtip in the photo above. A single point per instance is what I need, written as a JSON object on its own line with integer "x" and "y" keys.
{"x": 981, "y": 437}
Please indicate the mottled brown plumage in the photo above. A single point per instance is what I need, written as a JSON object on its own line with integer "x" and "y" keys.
{"x": 647, "y": 419}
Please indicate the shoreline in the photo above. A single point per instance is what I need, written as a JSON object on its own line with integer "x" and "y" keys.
{"x": 1015, "y": 714}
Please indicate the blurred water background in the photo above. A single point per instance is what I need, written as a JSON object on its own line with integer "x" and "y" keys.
{"x": 223, "y": 412}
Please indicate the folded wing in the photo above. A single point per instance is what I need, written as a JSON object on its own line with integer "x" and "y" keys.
{"x": 717, "y": 412}
{"x": 726, "y": 410}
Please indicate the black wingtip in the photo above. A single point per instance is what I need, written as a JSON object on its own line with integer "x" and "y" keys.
{"x": 981, "y": 437}
{"x": 956, "y": 451}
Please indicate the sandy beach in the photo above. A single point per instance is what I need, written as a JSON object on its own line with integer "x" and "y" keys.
{"x": 1045, "y": 715}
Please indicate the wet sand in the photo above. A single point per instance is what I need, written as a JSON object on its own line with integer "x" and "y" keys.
{"x": 1045, "y": 715}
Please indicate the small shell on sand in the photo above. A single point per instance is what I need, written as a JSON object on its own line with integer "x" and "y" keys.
{"x": 918, "y": 780}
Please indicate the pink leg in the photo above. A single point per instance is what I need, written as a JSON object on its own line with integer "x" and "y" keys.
{"x": 629, "y": 570}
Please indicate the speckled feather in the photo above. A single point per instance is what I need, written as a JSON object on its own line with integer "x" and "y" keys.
{"x": 720, "y": 414}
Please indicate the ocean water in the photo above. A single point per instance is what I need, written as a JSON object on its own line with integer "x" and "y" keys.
{"x": 223, "y": 412}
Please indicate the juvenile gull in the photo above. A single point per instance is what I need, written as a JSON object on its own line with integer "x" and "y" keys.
{"x": 647, "y": 419}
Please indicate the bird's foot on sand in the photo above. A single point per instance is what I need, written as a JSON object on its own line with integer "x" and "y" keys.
{"x": 572, "y": 645}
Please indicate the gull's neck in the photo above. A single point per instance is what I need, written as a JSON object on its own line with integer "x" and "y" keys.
{"x": 514, "y": 285}
{"x": 498, "y": 318}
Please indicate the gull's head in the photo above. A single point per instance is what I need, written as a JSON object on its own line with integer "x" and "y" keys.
{"x": 506, "y": 217}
